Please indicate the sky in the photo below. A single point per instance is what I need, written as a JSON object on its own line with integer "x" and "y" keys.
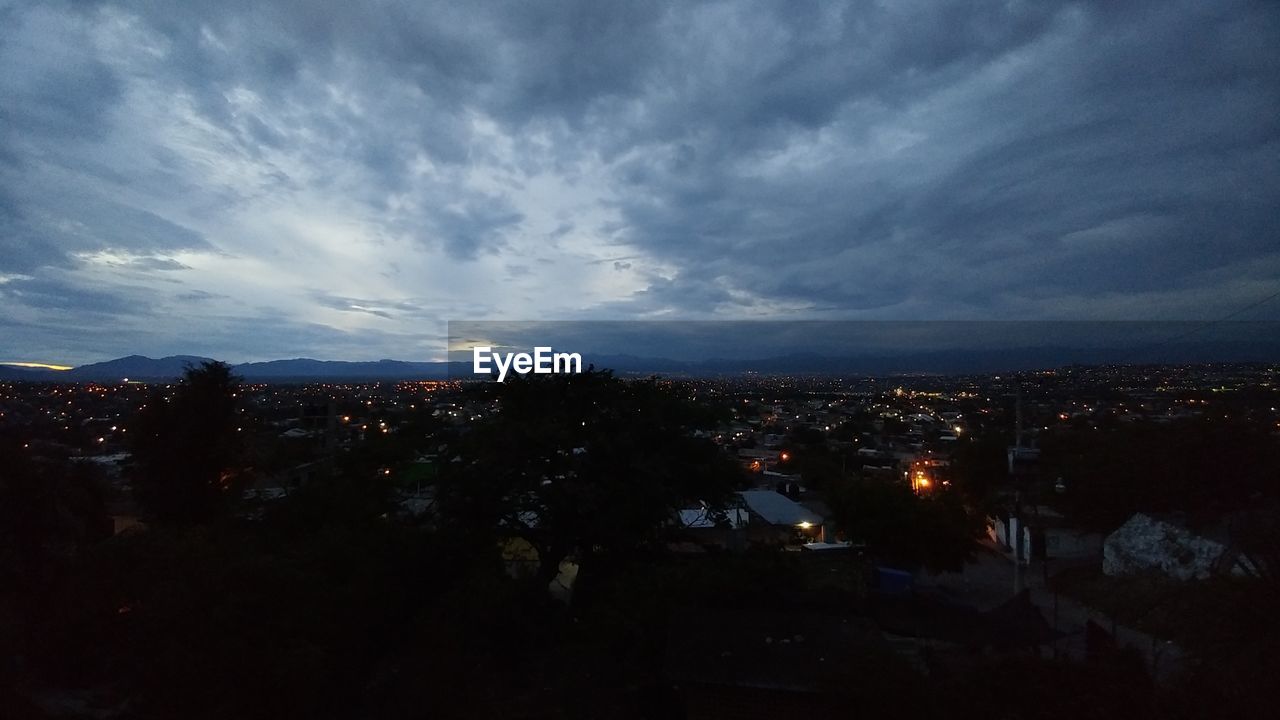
{"x": 259, "y": 180}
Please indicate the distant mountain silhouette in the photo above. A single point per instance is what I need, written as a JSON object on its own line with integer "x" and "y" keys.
{"x": 302, "y": 368}
{"x": 935, "y": 362}
{"x": 134, "y": 367}
{"x": 138, "y": 367}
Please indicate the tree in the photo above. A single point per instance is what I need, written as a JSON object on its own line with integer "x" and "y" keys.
{"x": 48, "y": 509}
{"x": 980, "y": 468}
{"x": 901, "y": 529}
{"x": 188, "y": 450}
{"x": 582, "y": 464}
{"x": 51, "y": 512}
{"x": 1206, "y": 467}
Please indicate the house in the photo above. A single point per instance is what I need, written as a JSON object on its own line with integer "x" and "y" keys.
{"x": 1148, "y": 543}
{"x": 1050, "y": 537}
{"x": 779, "y": 519}
{"x": 1045, "y": 535}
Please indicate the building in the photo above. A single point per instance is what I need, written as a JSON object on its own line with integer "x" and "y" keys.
{"x": 1148, "y": 543}
{"x": 776, "y": 518}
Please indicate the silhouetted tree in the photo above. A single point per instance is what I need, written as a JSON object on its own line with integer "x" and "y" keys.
{"x": 187, "y": 448}
{"x": 980, "y": 469}
{"x": 582, "y": 464}
{"x": 1205, "y": 467}
{"x": 51, "y": 512}
{"x": 899, "y": 528}
{"x": 48, "y": 509}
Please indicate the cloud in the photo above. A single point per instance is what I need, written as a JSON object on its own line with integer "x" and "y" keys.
{"x": 351, "y": 172}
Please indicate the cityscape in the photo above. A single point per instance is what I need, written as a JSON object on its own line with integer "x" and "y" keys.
{"x": 639, "y": 359}
{"x": 1029, "y": 525}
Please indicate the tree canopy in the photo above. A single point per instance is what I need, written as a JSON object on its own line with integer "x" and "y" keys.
{"x": 582, "y": 464}
{"x": 187, "y": 448}
{"x": 901, "y": 529}
{"x": 1205, "y": 467}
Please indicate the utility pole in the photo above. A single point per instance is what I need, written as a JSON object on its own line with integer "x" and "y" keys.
{"x": 1015, "y": 475}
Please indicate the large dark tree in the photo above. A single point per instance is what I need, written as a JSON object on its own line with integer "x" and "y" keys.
{"x": 48, "y": 509}
{"x": 187, "y": 448}
{"x": 979, "y": 469}
{"x": 899, "y": 528}
{"x": 51, "y": 511}
{"x": 1206, "y": 467}
{"x": 582, "y": 465}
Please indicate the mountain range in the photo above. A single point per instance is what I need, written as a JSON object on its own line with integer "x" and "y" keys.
{"x": 950, "y": 362}
{"x": 138, "y": 367}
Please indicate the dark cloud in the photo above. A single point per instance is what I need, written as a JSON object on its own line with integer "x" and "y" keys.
{"x": 198, "y": 295}
{"x": 151, "y": 263}
{"x": 812, "y": 159}
{"x": 54, "y": 294}
{"x": 1108, "y": 132}
{"x": 49, "y": 83}
{"x": 40, "y": 228}
{"x": 479, "y": 226}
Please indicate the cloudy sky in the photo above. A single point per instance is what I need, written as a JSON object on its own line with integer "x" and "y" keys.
{"x": 252, "y": 180}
